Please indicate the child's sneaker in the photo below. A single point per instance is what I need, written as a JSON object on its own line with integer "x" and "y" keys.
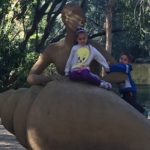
{"x": 105, "y": 85}
{"x": 147, "y": 113}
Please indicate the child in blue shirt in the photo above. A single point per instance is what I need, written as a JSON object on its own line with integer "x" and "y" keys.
{"x": 127, "y": 88}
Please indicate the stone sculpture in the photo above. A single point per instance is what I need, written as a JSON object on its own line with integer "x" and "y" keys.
{"x": 67, "y": 115}
{"x": 57, "y": 53}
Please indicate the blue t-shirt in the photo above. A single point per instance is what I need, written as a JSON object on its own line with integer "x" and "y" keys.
{"x": 128, "y": 84}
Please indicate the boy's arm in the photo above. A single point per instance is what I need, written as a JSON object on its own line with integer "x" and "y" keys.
{"x": 125, "y": 68}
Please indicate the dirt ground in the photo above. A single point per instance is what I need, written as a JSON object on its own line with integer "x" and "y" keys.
{"x": 8, "y": 141}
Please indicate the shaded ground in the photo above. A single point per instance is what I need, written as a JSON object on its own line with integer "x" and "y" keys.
{"x": 8, "y": 141}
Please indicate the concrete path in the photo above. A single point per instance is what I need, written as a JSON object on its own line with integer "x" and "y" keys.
{"x": 8, "y": 141}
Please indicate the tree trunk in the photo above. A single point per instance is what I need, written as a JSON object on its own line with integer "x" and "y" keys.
{"x": 108, "y": 26}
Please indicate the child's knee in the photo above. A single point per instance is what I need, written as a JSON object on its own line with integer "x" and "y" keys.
{"x": 85, "y": 74}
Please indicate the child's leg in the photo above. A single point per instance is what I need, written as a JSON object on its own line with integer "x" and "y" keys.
{"x": 94, "y": 79}
{"x": 75, "y": 75}
{"x": 130, "y": 97}
{"x": 86, "y": 75}
{"x": 90, "y": 77}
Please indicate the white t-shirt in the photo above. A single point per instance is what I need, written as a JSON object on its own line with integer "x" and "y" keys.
{"x": 82, "y": 56}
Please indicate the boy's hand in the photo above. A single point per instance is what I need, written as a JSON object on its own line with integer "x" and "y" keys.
{"x": 107, "y": 70}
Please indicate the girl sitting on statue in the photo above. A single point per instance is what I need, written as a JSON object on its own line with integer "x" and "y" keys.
{"x": 82, "y": 54}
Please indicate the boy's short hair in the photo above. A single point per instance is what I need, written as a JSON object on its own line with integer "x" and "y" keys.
{"x": 130, "y": 57}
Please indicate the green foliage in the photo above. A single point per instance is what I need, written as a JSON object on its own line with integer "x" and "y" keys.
{"x": 50, "y": 70}
{"x": 15, "y": 66}
{"x": 22, "y": 70}
{"x": 8, "y": 60}
{"x": 17, "y": 19}
{"x": 132, "y": 16}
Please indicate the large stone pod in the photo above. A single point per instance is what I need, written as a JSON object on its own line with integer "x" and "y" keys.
{"x": 8, "y": 108}
{"x": 3, "y": 98}
{"x": 21, "y": 114}
{"x": 75, "y": 116}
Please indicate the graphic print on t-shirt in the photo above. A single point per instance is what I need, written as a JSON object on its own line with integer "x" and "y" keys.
{"x": 83, "y": 54}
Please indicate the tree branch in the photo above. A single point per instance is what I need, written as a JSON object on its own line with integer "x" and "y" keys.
{"x": 103, "y": 33}
{"x": 59, "y": 37}
{"x": 50, "y": 22}
{"x": 39, "y": 13}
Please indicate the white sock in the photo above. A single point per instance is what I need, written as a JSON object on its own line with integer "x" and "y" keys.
{"x": 105, "y": 85}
